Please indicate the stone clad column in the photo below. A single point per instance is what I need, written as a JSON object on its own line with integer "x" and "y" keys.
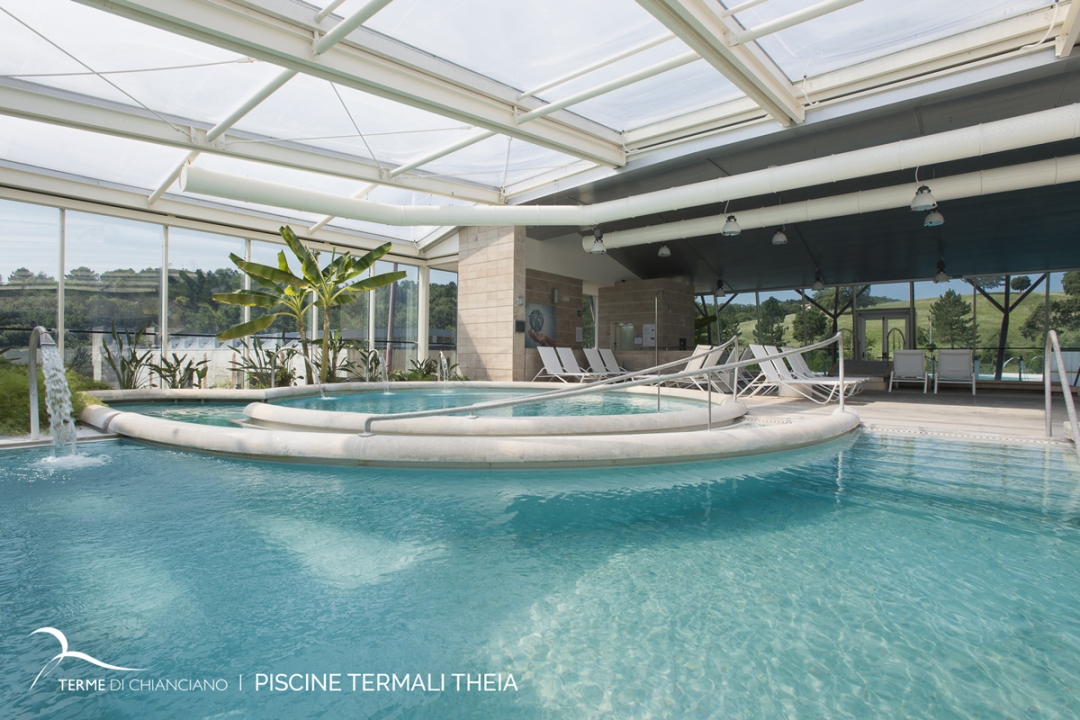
{"x": 491, "y": 276}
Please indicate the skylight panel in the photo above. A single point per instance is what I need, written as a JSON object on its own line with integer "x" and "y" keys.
{"x": 870, "y": 29}
{"x": 309, "y": 111}
{"x": 500, "y": 162}
{"x": 58, "y": 43}
{"x": 676, "y": 92}
{"x": 524, "y": 43}
{"x": 91, "y": 155}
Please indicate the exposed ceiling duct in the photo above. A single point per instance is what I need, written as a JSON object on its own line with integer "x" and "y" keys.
{"x": 985, "y": 182}
{"x": 1024, "y": 131}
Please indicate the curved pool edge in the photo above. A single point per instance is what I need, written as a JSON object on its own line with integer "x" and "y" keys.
{"x": 279, "y": 417}
{"x": 474, "y": 451}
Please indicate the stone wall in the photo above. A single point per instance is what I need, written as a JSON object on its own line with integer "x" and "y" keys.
{"x": 634, "y": 302}
{"x": 491, "y": 276}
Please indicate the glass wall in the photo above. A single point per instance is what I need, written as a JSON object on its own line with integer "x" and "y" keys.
{"x": 442, "y": 324}
{"x": 112, "y": 293}
{"x": 397, "y": 307}
{"x": 199, "y": 266}
{"x": 112, "y": 297}
{"x": 29, "y": 264}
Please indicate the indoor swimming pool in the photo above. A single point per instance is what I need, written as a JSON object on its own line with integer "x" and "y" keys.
{"x": 880, "y": 575}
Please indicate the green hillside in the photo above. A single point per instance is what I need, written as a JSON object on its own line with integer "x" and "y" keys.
{"x": 988, "y": 326}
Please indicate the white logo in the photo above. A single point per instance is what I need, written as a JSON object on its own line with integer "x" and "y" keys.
{"x": 65, "y": 653}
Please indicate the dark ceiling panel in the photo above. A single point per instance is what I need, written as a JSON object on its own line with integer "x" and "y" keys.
{"x": 1025, "y": 231}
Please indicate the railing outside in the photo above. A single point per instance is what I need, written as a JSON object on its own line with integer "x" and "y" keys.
{"x": 623, "y": 381}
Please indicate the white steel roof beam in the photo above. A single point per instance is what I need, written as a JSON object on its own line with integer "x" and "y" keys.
{"x": 611, "y": 85}
{"x": 1013, "y": 133}
{"x": 1069, "y": 31}
{"x": 58, "y": 107}
{"x": 734, "y": 10}
{"x": 349, "y": 24}
{"x": 330, "y": 7}
{"x": 597, "y": 66}
{"x": 948, "y": 55}
{"x": 215, "y": 132}
{"x": 699, "y": 25}
{"x": 741, "y": 37}
{"x": 281, "y": 34}
{"x": 442, "y": 152}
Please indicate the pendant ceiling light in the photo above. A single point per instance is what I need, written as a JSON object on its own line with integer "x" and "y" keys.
{"x": 664, "y": 252}
{"x": 598, "y": 243}
{"x": 719, "y": 292}
{"x": 933, "y": 219}
{"x": 779, "y": 238}
{"x": 731, "y": 227}
{"x": 923, "y": 200}
{"x": 819, "y": 284}
{"x": 940, "y": 276}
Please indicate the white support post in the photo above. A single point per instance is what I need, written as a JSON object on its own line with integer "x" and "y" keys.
{"x": 163, "y": 325}
{"x": 371, "y": 313}
{"x": 60, "y": 324}
{"x": 423, "y": 313}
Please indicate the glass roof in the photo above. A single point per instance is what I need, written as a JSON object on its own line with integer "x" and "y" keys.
{"x": 870, "y": 29}
{"x": 79, "y": 152}
{"x": 521, "y": 45}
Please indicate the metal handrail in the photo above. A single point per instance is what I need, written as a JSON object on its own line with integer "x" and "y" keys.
{"x": 623, "y": 383}
{"x": 1053, "y": 344}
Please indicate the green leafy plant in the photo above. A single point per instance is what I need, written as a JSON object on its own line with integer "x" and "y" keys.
{"x": 424, "y": 369}
{"x": 15, "y": 398}
{"x": 341, "y": 368}
{"x": 322, "y": 287}
{"x": 127, "y": 363}
{"x": 260, "y": 364}
{"x": 175, "y": 373}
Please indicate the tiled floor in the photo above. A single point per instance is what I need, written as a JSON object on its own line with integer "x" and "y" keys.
{"x": 955, "y": 412}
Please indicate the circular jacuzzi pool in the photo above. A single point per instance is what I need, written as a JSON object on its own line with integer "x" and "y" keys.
{"x": 378, "y": 402}
{"x": 361, "y": 424}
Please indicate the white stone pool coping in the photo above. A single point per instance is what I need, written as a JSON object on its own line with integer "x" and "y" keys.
{"x": 473, "y": 450}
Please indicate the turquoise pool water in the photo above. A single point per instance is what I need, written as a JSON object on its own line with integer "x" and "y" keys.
{"x": 610, "y": 403}
{"x": 880, "y": 576}
{"x": 217, "y": 413}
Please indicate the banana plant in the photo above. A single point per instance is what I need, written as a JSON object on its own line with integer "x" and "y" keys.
{"x": 322, "y": 287}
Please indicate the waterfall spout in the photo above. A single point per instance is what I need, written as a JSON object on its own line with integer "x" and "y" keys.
{"x": 57, "y": 393}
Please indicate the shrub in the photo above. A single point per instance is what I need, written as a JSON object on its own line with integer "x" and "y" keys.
{"x": 15, "y": 398}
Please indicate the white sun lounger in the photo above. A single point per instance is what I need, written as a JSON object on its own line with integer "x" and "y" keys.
{"x": 596, "y": 363}
{"x": 908, "y": 366}
{"x": 554, "y": 369}
{"x": 819, "y": 390}
{"x": 799, "y": 366}
{"x": 610, "y": 363}
{"x": 955, "y": 366}
{"x": 570, "y": 365}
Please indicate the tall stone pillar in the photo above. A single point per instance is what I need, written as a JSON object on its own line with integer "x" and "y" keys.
{"x": 491, "y": 276}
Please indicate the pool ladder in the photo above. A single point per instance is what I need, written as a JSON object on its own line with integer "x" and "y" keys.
{"x": 1053, "y": 345}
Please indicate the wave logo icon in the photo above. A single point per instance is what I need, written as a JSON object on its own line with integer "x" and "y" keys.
{"x": 65, "y": 653}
